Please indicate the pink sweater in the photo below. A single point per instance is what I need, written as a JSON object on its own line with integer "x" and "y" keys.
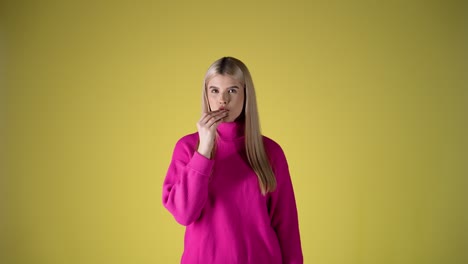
{"x": 219, "y": 201}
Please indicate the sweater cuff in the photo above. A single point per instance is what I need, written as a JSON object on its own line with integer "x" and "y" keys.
{"x": 201, "y": 164}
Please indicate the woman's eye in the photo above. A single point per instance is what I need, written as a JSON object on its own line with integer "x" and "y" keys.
{"x": 232, "y": 91}
{"x": 214, "y": 91}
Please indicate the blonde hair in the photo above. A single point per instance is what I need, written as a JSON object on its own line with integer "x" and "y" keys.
{"x": 255, "y": 149}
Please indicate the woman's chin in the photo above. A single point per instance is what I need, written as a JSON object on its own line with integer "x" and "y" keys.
{"x": 229, "y": 119}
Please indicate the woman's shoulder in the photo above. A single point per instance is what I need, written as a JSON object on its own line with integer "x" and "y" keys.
{"x": 272, "y": 147}
{"x": 275, "y": 153}
{"x": 187, "y": 143}
{"x": 188, "y": 139}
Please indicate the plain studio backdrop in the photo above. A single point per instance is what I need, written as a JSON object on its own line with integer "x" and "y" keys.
{"x": 367, "y": 98}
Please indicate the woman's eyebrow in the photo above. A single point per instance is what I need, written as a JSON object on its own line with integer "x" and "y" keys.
{"x": 214, "y": 87}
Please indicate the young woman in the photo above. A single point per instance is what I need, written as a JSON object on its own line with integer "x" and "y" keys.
{"x": 229, "y": 185}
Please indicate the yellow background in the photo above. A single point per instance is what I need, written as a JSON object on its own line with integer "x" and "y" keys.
{"x": 367, "y": 98}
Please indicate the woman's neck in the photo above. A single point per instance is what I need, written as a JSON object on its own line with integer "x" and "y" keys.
{"x": 231, "y": 130}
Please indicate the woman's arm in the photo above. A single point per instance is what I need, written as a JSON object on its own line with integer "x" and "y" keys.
{"x": 185, "y": 188}
{"x": 283, "y": 212}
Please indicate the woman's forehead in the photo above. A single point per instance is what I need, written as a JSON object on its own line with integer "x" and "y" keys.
{"x": 223, "y": 80}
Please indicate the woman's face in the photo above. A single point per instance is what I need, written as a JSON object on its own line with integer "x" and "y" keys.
{"x": 225, "y": 92}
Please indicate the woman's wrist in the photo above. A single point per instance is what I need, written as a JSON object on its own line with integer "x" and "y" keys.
{"x": 205, "y": 151}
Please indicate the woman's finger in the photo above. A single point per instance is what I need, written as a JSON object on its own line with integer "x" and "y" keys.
{"x": 205, "y": 116}
{"x": 215, "y": 120}
{"x": 215, "y": 115}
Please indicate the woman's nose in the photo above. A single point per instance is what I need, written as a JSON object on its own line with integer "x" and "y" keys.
{"x": 224, "y": 98}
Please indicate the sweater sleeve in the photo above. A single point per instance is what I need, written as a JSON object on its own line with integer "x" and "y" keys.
{"x": 185, "y": 188}
{"x": 283, "y": 212}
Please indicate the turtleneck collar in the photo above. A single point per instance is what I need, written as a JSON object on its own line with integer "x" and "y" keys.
{"x": 231, "y": 130}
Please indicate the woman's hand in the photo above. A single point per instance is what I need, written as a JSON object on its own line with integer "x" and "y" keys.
{"x": 207, "y": 130}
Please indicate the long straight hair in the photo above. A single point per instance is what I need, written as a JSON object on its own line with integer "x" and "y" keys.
{"x": 255, "y": 149}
